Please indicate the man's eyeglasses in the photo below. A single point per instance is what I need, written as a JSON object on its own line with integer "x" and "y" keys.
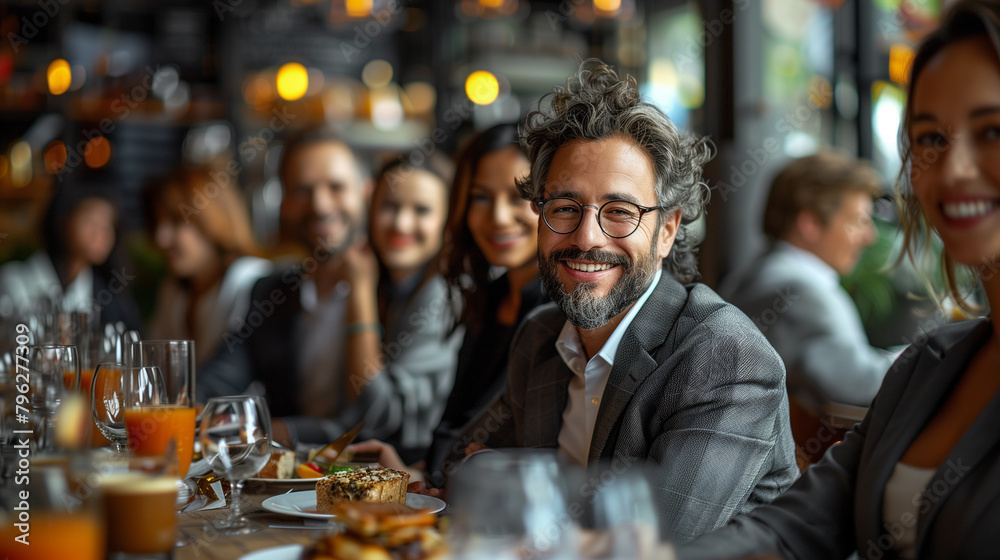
{"x": 617, "y": 218}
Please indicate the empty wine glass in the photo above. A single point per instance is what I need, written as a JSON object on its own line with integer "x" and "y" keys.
{"x": 107, "y": 403}
{"x": 625, "y": 524}
{"x": 511, "y": 505}
{"x": 54, "y": 370}
{"x": 236, "y": 441}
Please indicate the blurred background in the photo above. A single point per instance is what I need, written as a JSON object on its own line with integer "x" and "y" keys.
{"x": 108, "y": 95}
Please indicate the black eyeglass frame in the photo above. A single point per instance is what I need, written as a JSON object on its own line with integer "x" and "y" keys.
{"x": 643, "y": 210}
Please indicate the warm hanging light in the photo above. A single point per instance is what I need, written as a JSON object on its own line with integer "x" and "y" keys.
{"x": 610, "y": 6}
{"x": 482, "y": 87}
{"x": 59, "y": 76}
{"x": 292, "y": 81}
{"x": 358, "y": 9}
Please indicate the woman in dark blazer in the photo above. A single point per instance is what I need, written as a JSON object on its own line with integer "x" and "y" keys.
{"x": 919, "y": 477}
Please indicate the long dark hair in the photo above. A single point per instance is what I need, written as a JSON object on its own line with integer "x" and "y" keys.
{"x": 464, "y": 265}
{"x": 965, "y": 20}
{"x": 53, "y": 229}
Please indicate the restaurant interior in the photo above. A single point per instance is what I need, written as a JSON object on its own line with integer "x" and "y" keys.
{"x": 113, "y": 94}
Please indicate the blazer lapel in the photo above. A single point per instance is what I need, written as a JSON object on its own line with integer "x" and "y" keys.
{"x": 545, "y": 400}
{"x": 919, "y": 402}
{"x": 972, "y": 447}
{"x": 634, "y": 360}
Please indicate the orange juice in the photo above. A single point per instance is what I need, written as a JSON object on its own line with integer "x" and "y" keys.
{"x": 139, "y": 515}
{"x": 69, "y": 379}
{"x": 150, "y": 428}
{"x": 54, "y": 535}
{"x": 97, "y": 439}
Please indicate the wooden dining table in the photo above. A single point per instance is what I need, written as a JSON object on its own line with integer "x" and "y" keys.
{"x": 201, "y": 541}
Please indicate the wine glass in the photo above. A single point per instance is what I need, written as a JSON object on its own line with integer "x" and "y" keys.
{"x": 53, "y": 370}
{"x": 625, "y": 524}
{"x": 511, "y": 505}
{"x": 236, "y": 441}
{"x": 107, "y": 403}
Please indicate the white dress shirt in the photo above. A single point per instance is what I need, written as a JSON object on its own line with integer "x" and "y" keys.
{"x": 589, "y": 379}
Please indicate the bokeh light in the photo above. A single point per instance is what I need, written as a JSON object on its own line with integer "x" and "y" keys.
{"x": 608, "y": 5}
{"x": 293, "y": 81}
{"x": 55, "y": 157}
{"x": 422, "y": 96}
{"x": 59, "y": 76}
{"x": 98, "y": 152}
{"x": 359, "y": 8}
{"x": 900, "y": 61}
{"x": 377, "y": 74}
{"x": 482, "y": 87}
{"x": 20, "y": 164}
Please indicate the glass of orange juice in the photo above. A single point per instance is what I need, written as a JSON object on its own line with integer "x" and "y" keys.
{"x": 39, "y": 520}
{"x": 153, "y": 421}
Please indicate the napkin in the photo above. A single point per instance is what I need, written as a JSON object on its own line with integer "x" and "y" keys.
{"x": 213, "y": 499}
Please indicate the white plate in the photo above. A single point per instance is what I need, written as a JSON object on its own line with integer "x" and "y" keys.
{"x": 287, "y": 552}
{"x": 303, "y": 504}
{"x": 286, "y": 482}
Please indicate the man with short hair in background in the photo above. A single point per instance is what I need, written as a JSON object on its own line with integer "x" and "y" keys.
{"x": 818, "y": 218}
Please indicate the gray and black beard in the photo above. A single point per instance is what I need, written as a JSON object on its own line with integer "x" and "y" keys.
{"x": 584, "y": 309}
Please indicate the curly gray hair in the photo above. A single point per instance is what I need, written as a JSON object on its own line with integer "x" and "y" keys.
{"x": 595, "y": 105}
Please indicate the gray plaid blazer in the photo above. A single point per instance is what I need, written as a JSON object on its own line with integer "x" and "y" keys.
{"x": 696, "y": 391}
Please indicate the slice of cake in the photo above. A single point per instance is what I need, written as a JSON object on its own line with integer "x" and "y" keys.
{"x": 373, "y": 485}
{"x": 280, "y": 465}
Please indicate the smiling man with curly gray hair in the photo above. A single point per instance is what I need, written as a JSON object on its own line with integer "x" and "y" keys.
{"x": 631, "y": 365}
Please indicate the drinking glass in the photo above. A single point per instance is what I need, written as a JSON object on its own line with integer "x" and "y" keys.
{"x": 511, "y": 505}
{"x": 236, "y": 441}
{"x": 173, "y": 417}
{"x": 38, "y": 521}
{"x": 107, "y": 403}
{"x": 53, "y": 370}
{"x": 625, "y": 524}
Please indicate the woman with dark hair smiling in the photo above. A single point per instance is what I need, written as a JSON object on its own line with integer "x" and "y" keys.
{"x": 490, "y": 229}
{"x": 919, "y": 477}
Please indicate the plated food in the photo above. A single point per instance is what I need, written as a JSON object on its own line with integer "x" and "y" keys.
{"x": 380, "y": 532}
{"x": 371, "y": 485}
{"x": 282, "y": 467}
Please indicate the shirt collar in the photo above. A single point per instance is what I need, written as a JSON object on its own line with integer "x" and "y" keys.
{"x": 309, "y": 297}
{"x": 570, "y": 346}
